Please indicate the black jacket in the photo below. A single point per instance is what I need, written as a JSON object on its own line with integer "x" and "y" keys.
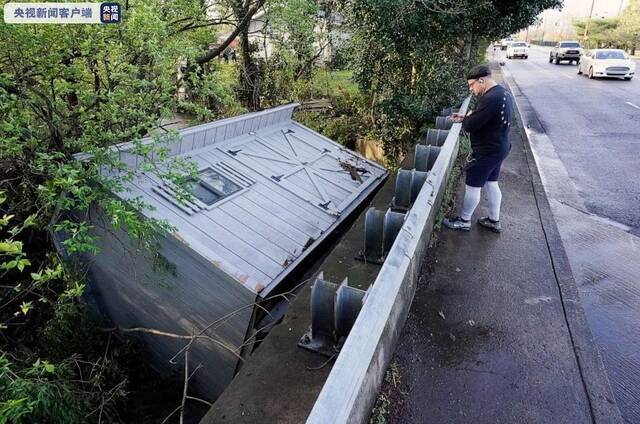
{"x": 488, "y": 125}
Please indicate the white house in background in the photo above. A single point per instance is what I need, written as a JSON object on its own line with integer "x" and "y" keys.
{"x": 262, "y": 35}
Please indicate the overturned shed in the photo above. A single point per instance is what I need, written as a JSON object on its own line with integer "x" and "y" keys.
{"x": 269, "y": 191}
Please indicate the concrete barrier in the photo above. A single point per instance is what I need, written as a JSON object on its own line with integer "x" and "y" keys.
{"x": 351, "y": 389}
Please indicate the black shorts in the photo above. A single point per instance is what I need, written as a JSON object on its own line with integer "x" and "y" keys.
{"x": 484, "y": 168}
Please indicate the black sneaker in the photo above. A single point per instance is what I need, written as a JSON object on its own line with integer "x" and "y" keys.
{"x": 457, "y": 223}
{"x": 487, "y": 222}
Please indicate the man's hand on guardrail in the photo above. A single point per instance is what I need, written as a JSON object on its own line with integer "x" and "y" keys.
{"x": 456, "y": 117}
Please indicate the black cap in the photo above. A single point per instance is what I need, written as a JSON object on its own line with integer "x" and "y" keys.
{"x": 478, "y": 72}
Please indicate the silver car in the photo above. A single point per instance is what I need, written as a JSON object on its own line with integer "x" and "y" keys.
{"x": 565, "y": 50}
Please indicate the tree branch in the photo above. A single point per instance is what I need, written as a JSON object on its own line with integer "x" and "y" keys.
{"x": 310, "y": 61}
{"x": 240, "y": 26}
{"x": 176, "y": 336}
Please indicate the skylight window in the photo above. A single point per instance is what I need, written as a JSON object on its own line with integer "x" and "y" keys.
{"x": 211, "y": 187}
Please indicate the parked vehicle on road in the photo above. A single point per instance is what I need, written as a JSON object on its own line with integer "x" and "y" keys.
{"x": 565, "y": 50}
{"x": 610, "y": 63}
{"x": 517, "y": 49}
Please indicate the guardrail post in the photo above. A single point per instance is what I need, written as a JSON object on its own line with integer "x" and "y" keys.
{"x": 436, "y": 137}
{"x": 334, "y": 309}
{"x": 443, "y": 123}
{"x": 408, "y": 185}
{"x": 380, "y": 230}
{"x": 425, "y": 157}
{"x": 321, "y": 336}
{"x": 348, "y": 304}
{"x": 448, "y": 111}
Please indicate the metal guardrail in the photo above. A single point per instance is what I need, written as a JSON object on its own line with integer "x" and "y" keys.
{"x": 351, "y": 389}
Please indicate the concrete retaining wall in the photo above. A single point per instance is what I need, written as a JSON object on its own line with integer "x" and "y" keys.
{"x": 355, "y": 380}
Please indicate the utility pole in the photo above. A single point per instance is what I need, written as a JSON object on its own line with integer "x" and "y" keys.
{"x": 586, "y": 27}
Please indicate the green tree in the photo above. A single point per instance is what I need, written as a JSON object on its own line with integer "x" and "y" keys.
{"x": 629, "y": 28}
{"x": 235, "y": 17}
{"x": 281, "y": 57}
{"x": 410, "y": 57}
{"x": 600, "y": 32}
{"x": 65, "y": 90}
{"x": 293, "y": 33}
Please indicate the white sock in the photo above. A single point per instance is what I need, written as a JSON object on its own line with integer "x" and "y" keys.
{"x": 470, "y": 202}
{"x": 494, "y": 195}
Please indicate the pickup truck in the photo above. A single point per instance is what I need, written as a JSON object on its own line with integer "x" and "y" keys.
{"x": 565, "y": 50}
{"x": 504, "y": 43}
{"x": 517, "y": 49}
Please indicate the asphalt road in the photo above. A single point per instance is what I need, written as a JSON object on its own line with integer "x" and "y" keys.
{"x": 595, "y": 128}
{"x": 589, "y": 159}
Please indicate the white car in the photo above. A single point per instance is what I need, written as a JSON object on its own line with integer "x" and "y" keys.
{"x": 611, "y": 63}
{"x": 517, "y": 49}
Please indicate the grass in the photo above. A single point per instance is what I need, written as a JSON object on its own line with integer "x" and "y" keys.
{"x": 382, "y": 408}
{"x": 465, "y": 145}
{"x": 338, "y": 81}
{"x": 448, "y": 200}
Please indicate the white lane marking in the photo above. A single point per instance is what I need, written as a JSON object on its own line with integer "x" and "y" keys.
{"x": 632, "y": 105}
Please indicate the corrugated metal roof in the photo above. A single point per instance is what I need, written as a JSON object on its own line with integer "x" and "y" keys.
{"x": 289, "y": 185}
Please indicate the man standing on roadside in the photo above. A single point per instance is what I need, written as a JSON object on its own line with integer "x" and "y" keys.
{"x": 488, "y": 127}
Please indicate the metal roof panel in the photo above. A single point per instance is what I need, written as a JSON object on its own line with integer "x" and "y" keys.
{"x": 295, "y": 185}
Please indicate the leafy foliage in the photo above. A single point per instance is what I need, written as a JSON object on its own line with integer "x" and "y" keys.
{"x": 410, "y": 58}
{"x": 601, "y": 32}
{"x": 65, "y": 90}
{"x": 36, "y": 394}
{"x": 629, "y": 28}
{"x": 85, "y": 88}
{"x": 347, "y": 120}
{"x": 622, "y": 32}
{"x": 301, "y": 34}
